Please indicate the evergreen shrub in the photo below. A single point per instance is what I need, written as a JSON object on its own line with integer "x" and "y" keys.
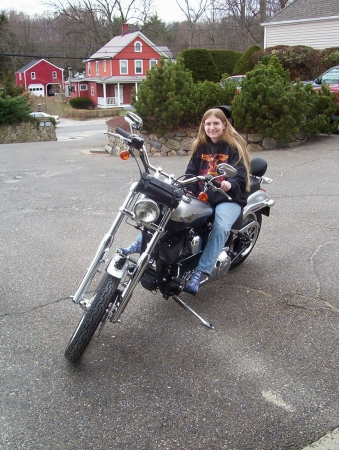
{"x": 225, "y": 60}
{"x": 320, "y": 105}
{"x": 201, "y": 63}
{"x": 81, "y": 103}
{"x": 245, "y": 62}
{"x": 14, "y": 109}
{"x": 207, "y": 95}
{"x": 273, "y": 106}
{"x": 165, "y": 99}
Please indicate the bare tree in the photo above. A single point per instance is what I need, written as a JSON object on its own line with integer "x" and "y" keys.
{"x": 193, "y": 15}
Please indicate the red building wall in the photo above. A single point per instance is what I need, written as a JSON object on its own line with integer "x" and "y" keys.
{"x": 43, "y": 71}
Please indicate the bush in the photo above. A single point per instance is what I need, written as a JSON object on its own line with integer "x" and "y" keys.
{"x": 246, "y": 63}
{"x": 166, "y": 97}
{"x": 81, "y": 103}
{"x": 273, "y": 106}
{"x": 302, "y": 62}
{"x": 329, "y": 58}
{"x": 207, "y": 95}
{"x": 225, "y": 60}
{"x": 319, "y": 107}
{"x": 201, "y": 63}
{"x": 14, "y": 109}
{"x": 268, "y": 103}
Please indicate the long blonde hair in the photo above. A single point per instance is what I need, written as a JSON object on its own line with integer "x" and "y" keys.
{"x": 229, "y": 135}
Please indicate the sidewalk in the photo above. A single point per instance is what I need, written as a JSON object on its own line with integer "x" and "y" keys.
{"x": 328, "y": 442}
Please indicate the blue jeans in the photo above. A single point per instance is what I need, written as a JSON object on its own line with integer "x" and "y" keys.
{"x": 225, "y": 215}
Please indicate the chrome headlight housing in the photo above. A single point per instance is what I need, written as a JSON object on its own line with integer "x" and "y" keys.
{"x": 146, "y": 210}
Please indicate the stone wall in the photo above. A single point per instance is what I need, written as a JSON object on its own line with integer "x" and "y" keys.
{"x": 180, "y": 142}
{"x": 42, "y": 130}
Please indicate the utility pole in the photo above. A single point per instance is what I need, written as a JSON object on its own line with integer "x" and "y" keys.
{"x": 262, "y": 19}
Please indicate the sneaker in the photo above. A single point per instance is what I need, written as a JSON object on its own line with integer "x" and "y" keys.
{"x": 192, "y": 286}
{"x": 135, "y": 247}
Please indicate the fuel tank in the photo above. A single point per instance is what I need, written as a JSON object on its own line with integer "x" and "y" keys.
{"x": 189, "y": 213}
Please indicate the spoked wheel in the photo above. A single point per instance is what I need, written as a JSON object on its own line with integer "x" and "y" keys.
{"x": 92, "y": 317}
{"x": 252, "y": 233}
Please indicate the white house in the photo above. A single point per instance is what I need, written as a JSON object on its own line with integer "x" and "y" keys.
{"x": 314, "y": 23}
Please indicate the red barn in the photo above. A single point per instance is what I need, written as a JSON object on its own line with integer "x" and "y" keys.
{"x": 40, "y": 77}
{"x": 113, "y": 71}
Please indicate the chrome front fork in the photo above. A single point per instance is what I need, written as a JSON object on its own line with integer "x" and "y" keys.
{"x": 103, "y": 249}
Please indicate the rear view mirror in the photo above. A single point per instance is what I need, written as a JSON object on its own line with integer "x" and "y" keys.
{"x": 135, "y": 121}
{"x": 226, "y": 169}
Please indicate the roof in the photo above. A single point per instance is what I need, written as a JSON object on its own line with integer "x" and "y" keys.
{"x": 118, "y": 43}
{"x": 305, "y": 10}
{"x": 33, "y": 63}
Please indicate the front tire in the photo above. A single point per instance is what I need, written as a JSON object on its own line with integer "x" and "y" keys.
{"x": 252, "y": 233}
{"x": 91, "y": 319}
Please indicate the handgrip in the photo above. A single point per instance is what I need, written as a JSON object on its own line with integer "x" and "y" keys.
{"x": 216, "y": 184}
{"x": 123, "y": 133}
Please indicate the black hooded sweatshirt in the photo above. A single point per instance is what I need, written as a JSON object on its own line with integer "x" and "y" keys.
{"x": 205, "y": 160}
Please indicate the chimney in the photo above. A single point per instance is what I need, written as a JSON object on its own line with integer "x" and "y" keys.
{"x": 124, "y": 29}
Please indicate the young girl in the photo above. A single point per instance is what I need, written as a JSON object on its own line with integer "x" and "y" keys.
{"x": 218, "y": 142}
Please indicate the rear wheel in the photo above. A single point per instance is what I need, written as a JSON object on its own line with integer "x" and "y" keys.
{"x": 92, "y": 317}
{"x": 242, "y": 248}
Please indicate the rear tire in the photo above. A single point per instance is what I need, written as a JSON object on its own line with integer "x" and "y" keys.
{"x": 252, "y": 233}
{"x": 91, "y": 319}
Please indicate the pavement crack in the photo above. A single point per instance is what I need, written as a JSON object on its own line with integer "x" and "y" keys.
{"x": 317, "y": 279}
{"x": 21, "y": 313}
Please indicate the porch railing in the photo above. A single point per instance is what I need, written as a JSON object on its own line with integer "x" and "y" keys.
{"x": 111, "y": 102}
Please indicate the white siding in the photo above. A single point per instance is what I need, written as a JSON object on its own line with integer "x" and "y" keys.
{"x": 316, "y": 34}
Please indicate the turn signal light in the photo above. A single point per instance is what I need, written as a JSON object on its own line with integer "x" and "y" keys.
{"x": 203, "y": 197}
{"x": 124, "y": 154}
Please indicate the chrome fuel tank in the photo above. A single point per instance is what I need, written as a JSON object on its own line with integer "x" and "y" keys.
{"x": 190, "y": 212}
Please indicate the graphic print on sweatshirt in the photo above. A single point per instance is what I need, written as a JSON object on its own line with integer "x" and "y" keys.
{"x": 209, "y": 163}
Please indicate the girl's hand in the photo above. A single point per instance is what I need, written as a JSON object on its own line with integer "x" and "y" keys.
{"x": 226, "y": 186}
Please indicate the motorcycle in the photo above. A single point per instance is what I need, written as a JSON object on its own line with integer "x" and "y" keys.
{"x": 175, "y": 226}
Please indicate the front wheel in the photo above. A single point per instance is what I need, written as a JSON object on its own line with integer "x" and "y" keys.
{"x": 92, "y": 317}
{"x": 242, "y": 249}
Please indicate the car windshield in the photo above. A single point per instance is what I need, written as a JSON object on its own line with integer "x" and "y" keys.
{"x": 331, "y": 77}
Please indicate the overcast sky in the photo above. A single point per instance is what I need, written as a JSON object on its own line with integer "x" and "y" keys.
{"x": 168, "y": 10}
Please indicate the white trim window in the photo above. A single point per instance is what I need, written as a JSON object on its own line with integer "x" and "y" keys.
{"x": 83, "y": 87}
{"x": 152, "y": 63}
{"x": 33, "y": 76}
{"x": 138, "y": 47}
{"x": 138, "y": 67}
{"x": 54, "y": 75}
{"x": 92, "y": 90}
{"x": 104, "y": 64}
{"x": 89, "y": 68}
{"x": 20, "y": 76}
{"x": 97, "y": 67}
{"x": 123, "y": 67}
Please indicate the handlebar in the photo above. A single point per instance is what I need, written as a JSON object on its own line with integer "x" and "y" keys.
{"x": 123, "y": 133}
{"x": 137, "y": 142}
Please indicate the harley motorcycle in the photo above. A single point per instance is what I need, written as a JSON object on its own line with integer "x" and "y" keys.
{"x": 175, "y": 226}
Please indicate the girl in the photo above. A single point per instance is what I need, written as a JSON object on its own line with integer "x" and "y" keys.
{"x": 218, "y": 142}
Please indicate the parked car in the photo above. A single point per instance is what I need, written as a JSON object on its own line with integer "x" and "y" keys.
{"x": 234, "y": 79}
{"x": 45, "y": 115}
{"x": 331, "y": 78}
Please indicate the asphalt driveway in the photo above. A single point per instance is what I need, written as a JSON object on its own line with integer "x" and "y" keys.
{"x": 265, "y": 379}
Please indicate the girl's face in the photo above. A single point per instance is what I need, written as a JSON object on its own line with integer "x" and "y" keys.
{"x": 214, "y": 128}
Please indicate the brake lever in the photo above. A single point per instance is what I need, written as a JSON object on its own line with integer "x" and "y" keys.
{"x": 215, "y": 186}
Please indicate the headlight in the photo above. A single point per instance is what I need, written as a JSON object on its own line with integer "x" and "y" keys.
{"x": 146, "y": 210}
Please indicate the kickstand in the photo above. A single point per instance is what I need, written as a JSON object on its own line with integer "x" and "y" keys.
{"x": 185, "y": 306}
